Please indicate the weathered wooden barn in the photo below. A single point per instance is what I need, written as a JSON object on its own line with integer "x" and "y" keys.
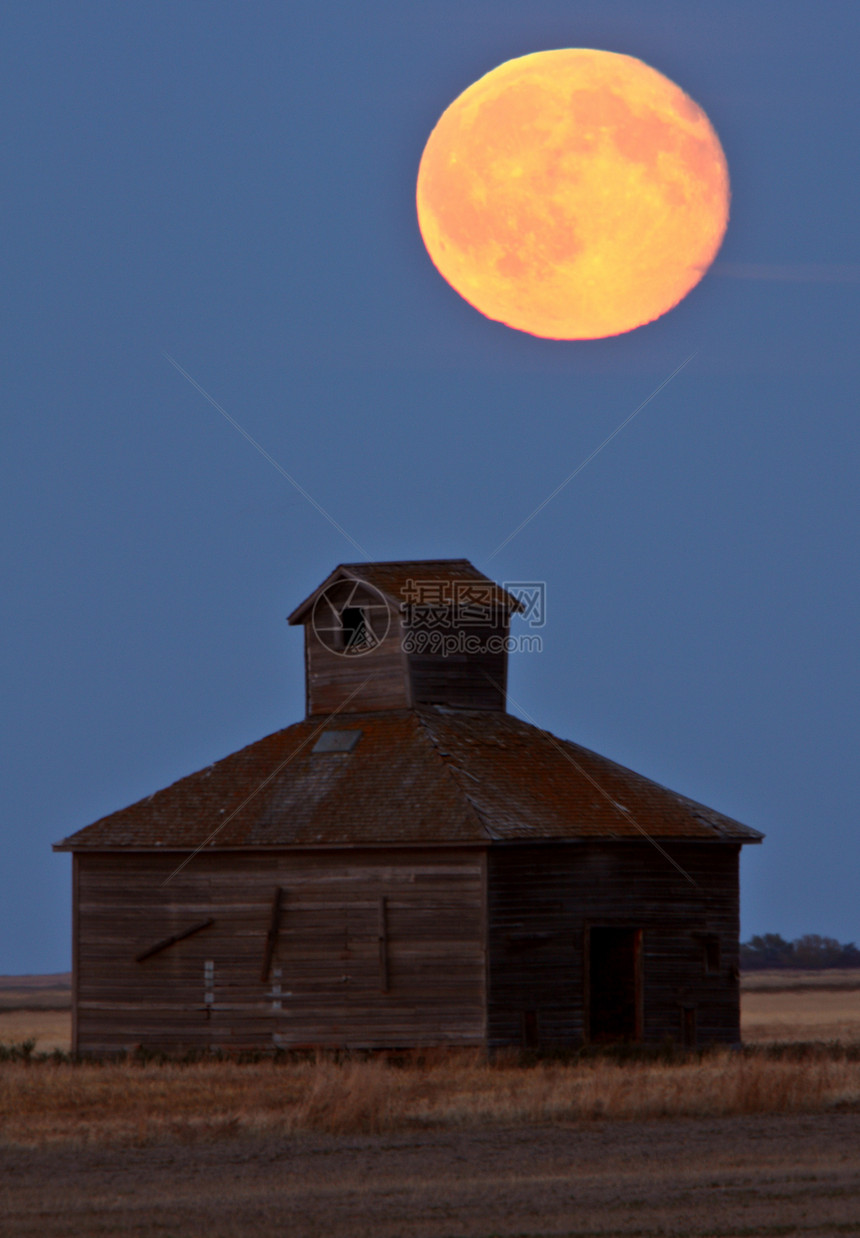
{"x": 410, "y": 865}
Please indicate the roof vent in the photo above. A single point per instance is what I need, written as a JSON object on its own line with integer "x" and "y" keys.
{"x": 337, "y": 741}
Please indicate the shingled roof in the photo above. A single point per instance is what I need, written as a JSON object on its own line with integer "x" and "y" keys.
{"x": 396, "y": 580}
{"x": 417, "y": 776}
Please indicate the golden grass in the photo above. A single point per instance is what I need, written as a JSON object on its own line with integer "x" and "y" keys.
{"x": 132, "y": 1103}
{"x": 803, "y": 1014}
{"x": 51, "y": 1029}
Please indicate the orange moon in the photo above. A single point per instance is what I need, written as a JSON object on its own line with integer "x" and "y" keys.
{"x": 573, "y": 194}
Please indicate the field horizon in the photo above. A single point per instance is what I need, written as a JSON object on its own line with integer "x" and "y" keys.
{"x": 776, "y": 1005}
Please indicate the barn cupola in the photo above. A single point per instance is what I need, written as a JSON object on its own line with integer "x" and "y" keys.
{"x": 383, "y": 636}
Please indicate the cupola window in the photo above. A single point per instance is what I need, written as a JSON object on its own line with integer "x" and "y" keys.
{"x": 355, "y": 635}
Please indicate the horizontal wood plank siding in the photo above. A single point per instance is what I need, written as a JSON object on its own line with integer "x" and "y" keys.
{"x": 458, "y": 678}
{"x": 323, "y": 986}
{"x": 542, "y": 899}
{"x": 379, "y": 678}
{"x": 327, "y": 979}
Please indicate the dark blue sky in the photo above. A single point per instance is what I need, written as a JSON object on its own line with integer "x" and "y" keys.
{"x": 234, "y": 183}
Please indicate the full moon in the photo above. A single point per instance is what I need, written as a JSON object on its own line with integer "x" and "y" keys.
{"x": 573, "y": 194}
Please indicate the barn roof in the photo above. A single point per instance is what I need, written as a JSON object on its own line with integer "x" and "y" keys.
{"x": 396, "y": 580}
{"x": 419, "y": 776}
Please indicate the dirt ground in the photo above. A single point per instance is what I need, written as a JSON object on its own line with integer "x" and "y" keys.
{"x": 688, "y": 1178}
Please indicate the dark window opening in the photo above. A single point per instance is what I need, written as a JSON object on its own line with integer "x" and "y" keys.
{"x": 531, "y": 1033}
{"x": 614, "y": 978}
{"x": 355, "y": 635}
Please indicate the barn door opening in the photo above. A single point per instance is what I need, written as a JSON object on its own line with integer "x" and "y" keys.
{"x": 614, "y": 984}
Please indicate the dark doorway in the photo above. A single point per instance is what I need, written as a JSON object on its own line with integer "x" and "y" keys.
{"x": 614, "y": 983}
{"x": 531, "y": 1034}
{"x": 688, "y": 1027}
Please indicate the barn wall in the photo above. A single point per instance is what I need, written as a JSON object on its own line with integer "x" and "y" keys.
{"x": 542, "y": 902}
{"x": 379, "y": 679}
{"x": 334, "y": 952}
{"x": 463, "y": 667}
{"x": 75, "y": 967}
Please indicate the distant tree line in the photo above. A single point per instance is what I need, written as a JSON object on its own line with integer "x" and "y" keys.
{"x": 811, "y": 951}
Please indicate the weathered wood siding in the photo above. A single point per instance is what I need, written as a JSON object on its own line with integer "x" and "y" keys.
{"x": 379, "y": 678}
{"x": 462, "y": 667}
{"x": 542, "y": 900}
{"x": 346, "y": 969}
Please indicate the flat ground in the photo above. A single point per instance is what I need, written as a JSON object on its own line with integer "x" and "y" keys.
{"x": 720, "y": 1178}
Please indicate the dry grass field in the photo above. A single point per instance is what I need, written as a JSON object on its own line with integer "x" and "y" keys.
{"x": 801, "y": 1006}
{"x": 760, "y": 1143}
{"x": 36, "y": 1007}
{"x": 135, "y": 1104}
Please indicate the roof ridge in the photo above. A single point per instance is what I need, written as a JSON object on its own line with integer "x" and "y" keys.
{"x": 420, "y": 715}
{"x": 391, "y": 577}
{"x": 184, "y": 778}
{"x": 717, "y": 824}
{"x": 363, "y": 565}
{"x": 696, "y": 806}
